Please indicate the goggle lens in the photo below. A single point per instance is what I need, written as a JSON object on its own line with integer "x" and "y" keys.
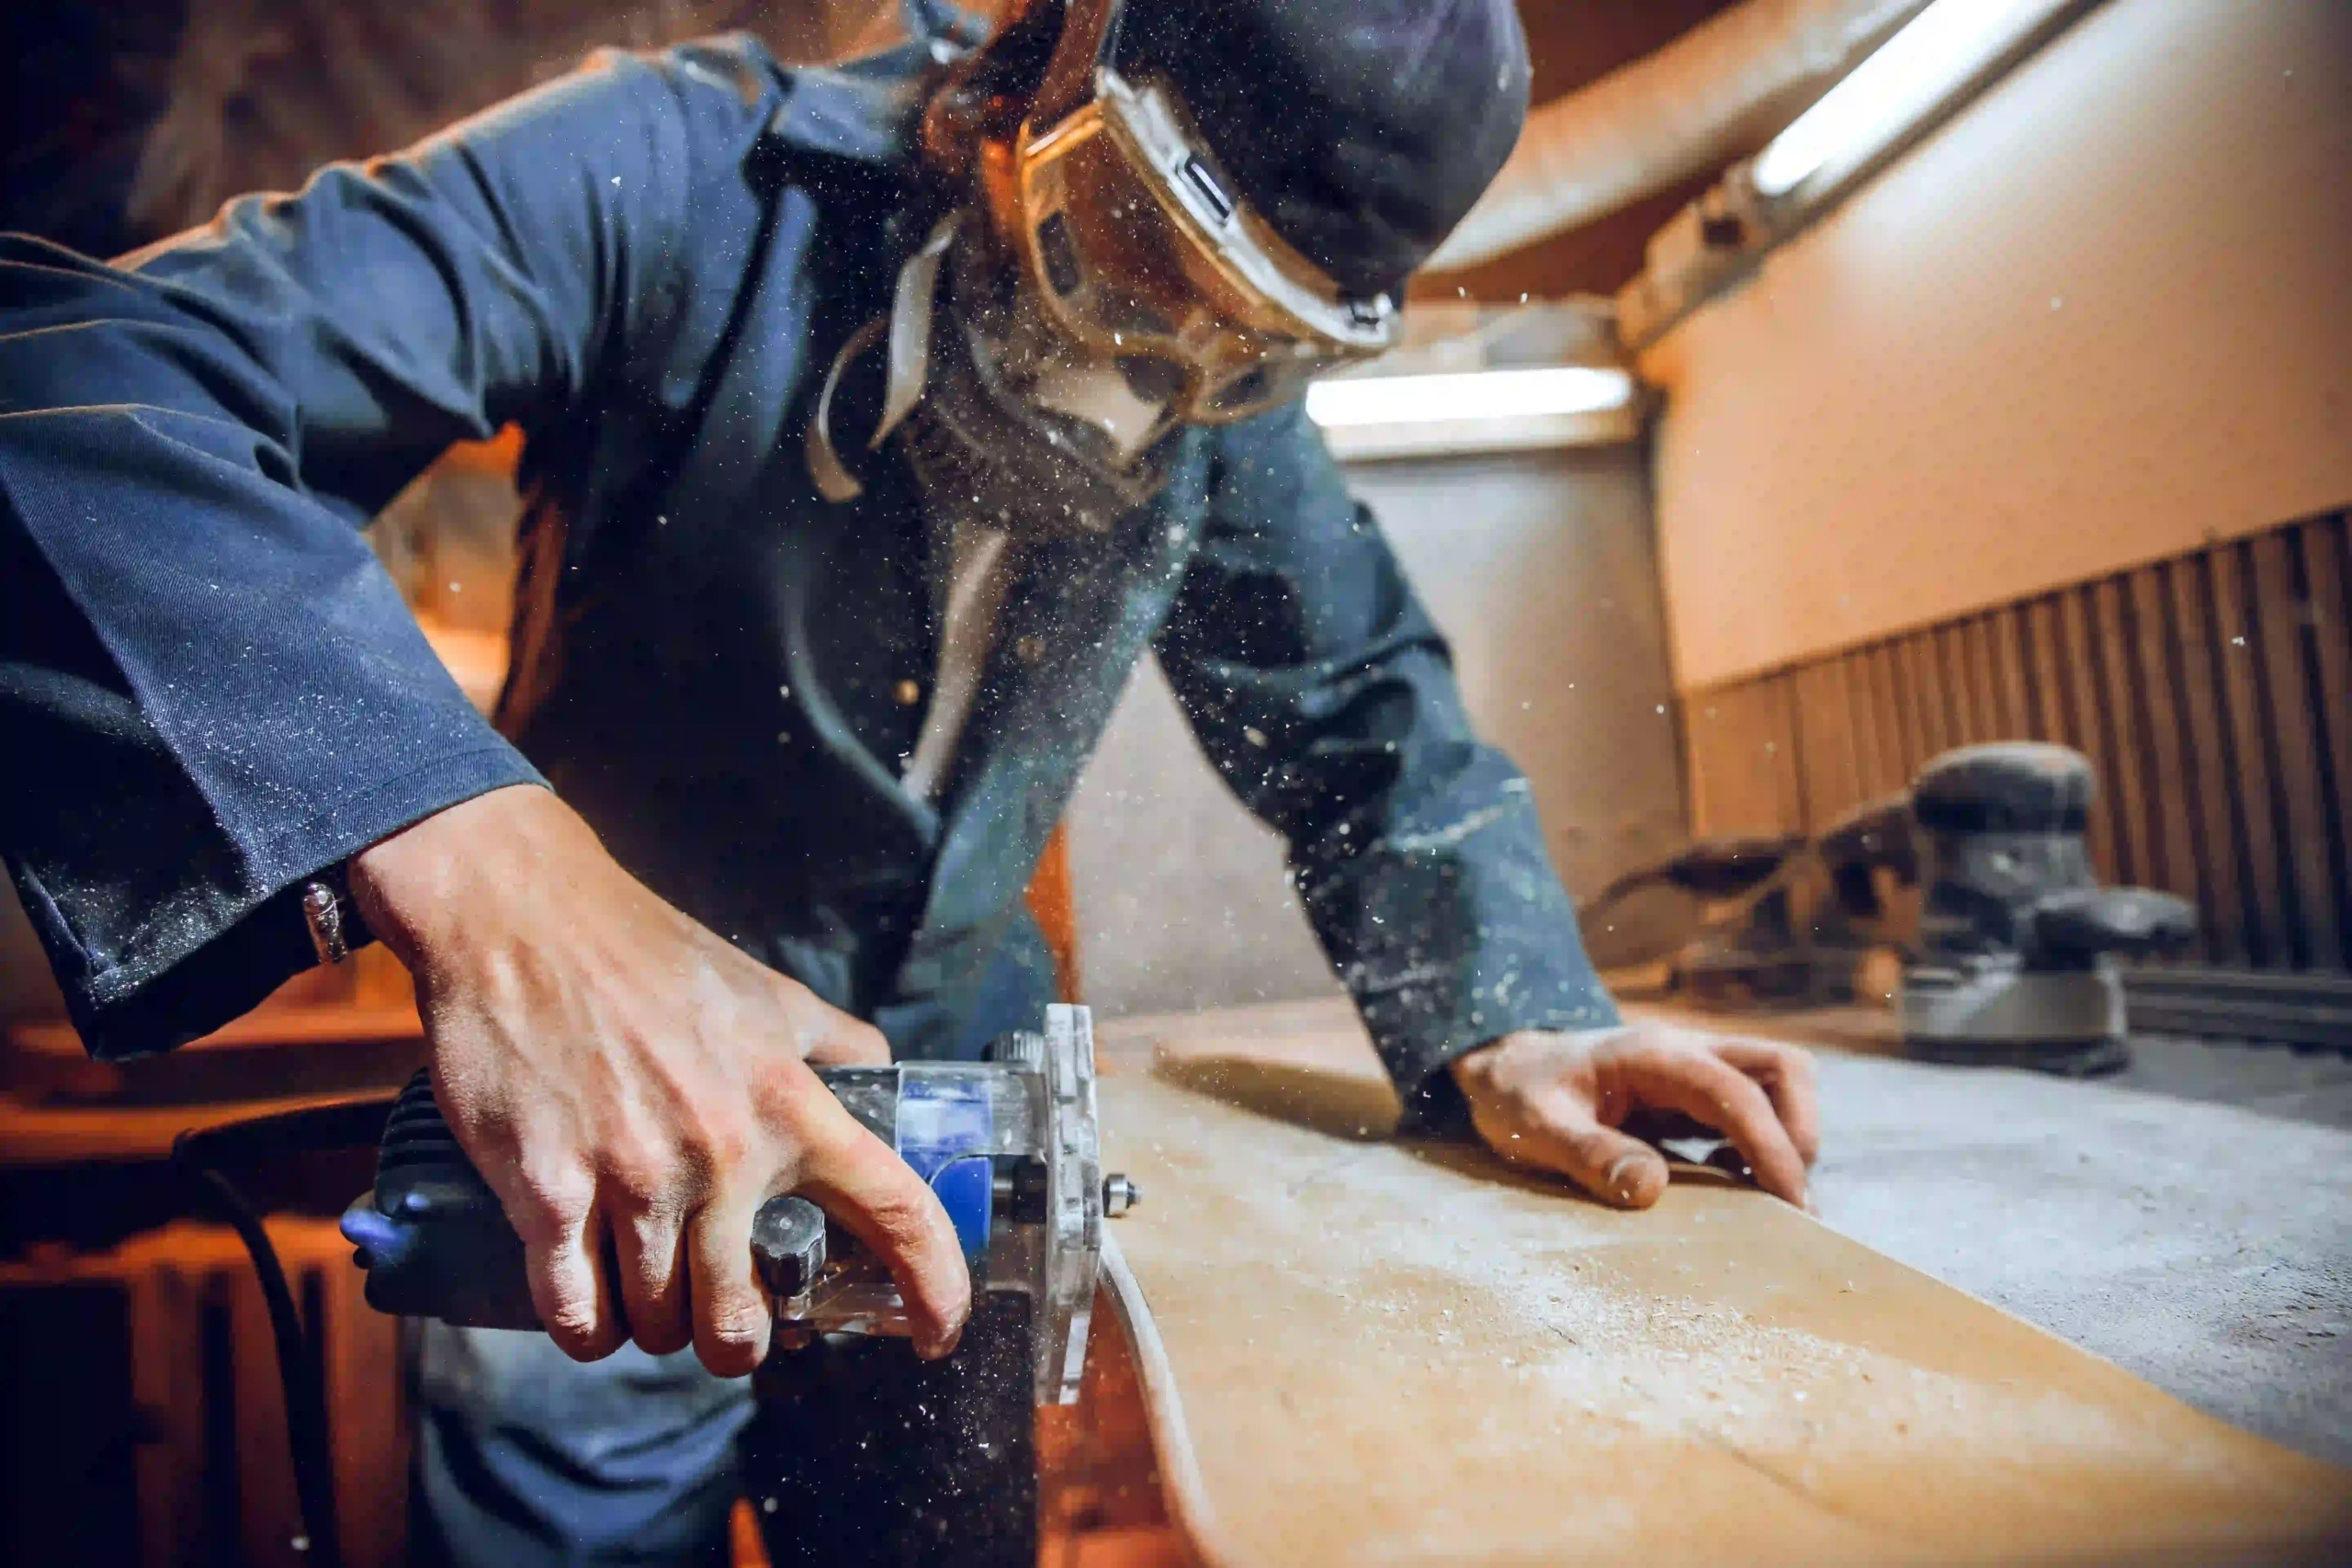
{"x": 1120, "y": 274}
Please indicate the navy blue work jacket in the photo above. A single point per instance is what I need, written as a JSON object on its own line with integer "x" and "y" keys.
{"x": 209, "y": 691}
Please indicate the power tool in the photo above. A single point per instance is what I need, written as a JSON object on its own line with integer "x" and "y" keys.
{"x": 1978, "y": 878}
{"x": 2016, "y": 958}
{"x": 1008, "y": 1145}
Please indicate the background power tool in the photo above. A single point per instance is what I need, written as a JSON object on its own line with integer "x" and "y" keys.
{"x": 1008, "y": 1145}
{"x": 2015, "y": 959}
{"x": 1974, "y": 887}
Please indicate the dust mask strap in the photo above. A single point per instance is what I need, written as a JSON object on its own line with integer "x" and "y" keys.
{"x": 908, "y": 364}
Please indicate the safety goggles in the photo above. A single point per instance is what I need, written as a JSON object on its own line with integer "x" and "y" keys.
{"x": 1137, "y": 244}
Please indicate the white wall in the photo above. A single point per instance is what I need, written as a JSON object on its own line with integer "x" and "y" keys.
{"x": 2103, "y": 316}
{"x": 1539, "y": 567}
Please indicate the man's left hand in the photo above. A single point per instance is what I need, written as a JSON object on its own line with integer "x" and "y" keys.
{"x": 1558, "y": 1100}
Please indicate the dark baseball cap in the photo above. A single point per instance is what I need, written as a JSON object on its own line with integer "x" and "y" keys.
{"x": 1362, "y": 129}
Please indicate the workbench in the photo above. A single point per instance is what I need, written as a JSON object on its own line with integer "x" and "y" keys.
{"x": 1349, "y": 1348}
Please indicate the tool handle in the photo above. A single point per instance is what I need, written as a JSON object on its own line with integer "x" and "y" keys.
{"x": 436, "y": 1242}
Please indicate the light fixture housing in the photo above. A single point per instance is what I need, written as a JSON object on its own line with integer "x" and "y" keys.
{"x": 1377, "y": 415}
{"x": 1470, "y": 395}
{"x": 1934, "y": 56}
{"x": 1927, "y": 72}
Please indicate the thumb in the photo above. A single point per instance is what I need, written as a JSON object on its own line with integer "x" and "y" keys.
{"x": 1606, "y": 1163}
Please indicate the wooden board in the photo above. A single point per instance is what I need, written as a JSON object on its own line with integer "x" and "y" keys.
{"x": 1359, "y": 1350}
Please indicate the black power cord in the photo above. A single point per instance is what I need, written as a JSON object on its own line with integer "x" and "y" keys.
{"x": 198, "y": 1156}
{"x": 298, "y": 1375}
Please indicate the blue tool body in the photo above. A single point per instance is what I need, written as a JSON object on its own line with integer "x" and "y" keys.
{"x": 946, "y": 1130}
{"x": 437, "y": 1242}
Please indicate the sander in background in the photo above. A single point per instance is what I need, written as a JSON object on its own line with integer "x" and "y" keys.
{"x": 1970, "y": 899}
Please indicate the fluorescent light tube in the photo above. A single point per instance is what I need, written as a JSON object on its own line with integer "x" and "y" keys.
{"x": 1935, "y": 53}
{"x": 1473, "y": 395}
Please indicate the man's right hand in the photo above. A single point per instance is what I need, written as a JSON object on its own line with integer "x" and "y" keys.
{"x": 634, "y": 1088}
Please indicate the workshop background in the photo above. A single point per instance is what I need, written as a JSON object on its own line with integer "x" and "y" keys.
{"x": 2040, "y": 426}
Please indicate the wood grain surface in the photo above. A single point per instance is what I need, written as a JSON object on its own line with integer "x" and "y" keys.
{"x": 1401, "y": 1352}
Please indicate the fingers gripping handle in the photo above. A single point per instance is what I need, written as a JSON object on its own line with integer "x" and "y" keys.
{"x": 1008, "y": 1145}
{"x": 435, "y": 1241}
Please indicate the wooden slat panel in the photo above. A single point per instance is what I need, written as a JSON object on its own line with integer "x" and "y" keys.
{"x": 1716, "y": 776}
{"x": 2011, "y": 703}
{"x": 1952, "y": 679}
{"x": 1961, "y": 721}
{"x": 212, "y": 1471}
{"x": 1916, "y": 670}
{"x": 368, "y": 1424}
{"x": 1899, "y": 743}
{"x": 1983, "y": 681}
{"x": 2044, "y": 670}
{"x": 1743, "y": 762}
{"x": 2212, "y": 694}
{"x": 1833, "y": 781}
{"x": 2247, "y": 777}
{"x": 2119, "y": 728}
{"x": 271, "y": 1512}
{"x": 2173, "y": 860}
{"x": 1854, "y": 673}
{"x": 1879, "y": 689}
{"x": 2286, "y": 690}
{"x": 1702, "y": 766}
{"x": 1784, "y": 752}
{"x": 2080, "y": 727}
{"x": 167, "y": 1380}
{"x": 2212, "y": 783}
{"x": 2327, "y": 566}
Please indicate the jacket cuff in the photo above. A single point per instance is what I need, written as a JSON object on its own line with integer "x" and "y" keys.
{"x": 1419, "y": 1029}
{"x": 242, "y": 949}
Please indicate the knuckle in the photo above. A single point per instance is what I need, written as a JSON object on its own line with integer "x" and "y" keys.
{"x": 731, "y": 1355}
{"x": 730, "y": 1358}
{"x": 1545, "y": 1117}
{"x": 549, "y": 1208}
{"x": 784, "y": 1092}
{"x": 900, "y": 1216}
{"x": 896, "y": 1209}
{"x": 805, "y": 1013}
{"x": 579, "y": 1331}
{"x": 1721, "y": 1080}
{"x": 649, "y": 1255}
{"x": 853, "y": 1044}
{"x": 816, "y": 1125}
{"x": 738, "y": 1323}
{"x": 637, "y": 1177}
{"x": 723, "y": 1142}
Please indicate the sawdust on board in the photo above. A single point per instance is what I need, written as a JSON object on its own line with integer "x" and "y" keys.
{"x": 1513, "y": 1328}
{"x": 1530, "y": 1287}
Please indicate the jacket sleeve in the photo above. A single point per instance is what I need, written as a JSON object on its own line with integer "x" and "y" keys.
{"x": 209, "y": 689}
{"x": 1321, "y": 691}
